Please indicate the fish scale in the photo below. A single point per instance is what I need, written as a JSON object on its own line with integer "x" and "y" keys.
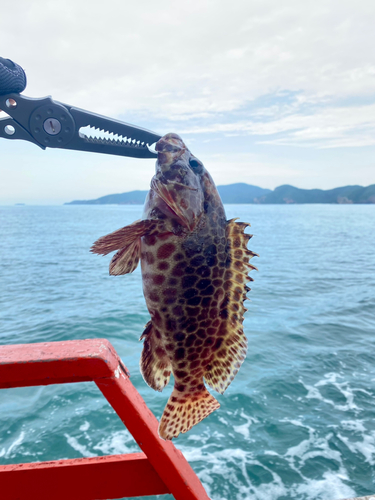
{"x": 195, "y": 268}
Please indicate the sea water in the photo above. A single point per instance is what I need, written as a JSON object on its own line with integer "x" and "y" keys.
{"x": 298, "y": 421}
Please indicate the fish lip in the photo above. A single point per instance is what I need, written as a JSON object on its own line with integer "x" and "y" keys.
{"x": 163, "y": 146}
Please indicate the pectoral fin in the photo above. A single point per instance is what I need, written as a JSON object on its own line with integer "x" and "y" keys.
{"x": 125, "y": 236}
{"x": 128, "y": 241}
{"x": 126, "y": 260}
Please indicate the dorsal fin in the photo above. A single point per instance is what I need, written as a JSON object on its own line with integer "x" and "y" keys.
{"x": 231, "y": 344}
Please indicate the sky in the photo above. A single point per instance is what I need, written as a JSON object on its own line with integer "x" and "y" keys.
{"x": 266, "y": 92}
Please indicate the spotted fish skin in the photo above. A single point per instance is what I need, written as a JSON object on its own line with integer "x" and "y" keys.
{"x": 194, "y": 269}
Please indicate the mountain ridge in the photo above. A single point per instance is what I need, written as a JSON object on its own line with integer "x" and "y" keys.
{"x": 247, "y": 193}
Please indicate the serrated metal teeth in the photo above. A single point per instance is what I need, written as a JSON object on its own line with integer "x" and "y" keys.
{"x": 100, "y": 136}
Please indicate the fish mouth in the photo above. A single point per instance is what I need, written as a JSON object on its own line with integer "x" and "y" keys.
{"x": 170, "y": 143}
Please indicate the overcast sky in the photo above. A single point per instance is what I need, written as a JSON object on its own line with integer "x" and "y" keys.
{"x": 266, "y": 92}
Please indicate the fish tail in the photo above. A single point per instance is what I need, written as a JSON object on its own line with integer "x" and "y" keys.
{"x": 184, "y": 410}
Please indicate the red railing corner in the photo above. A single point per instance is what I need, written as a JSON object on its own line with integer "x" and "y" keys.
{"x": 161, "y": 468}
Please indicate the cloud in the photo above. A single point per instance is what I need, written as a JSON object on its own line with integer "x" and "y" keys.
{"x": 168, "y": 58}
{"x": 351, "y": 126}
{"x": 290, "y": 80}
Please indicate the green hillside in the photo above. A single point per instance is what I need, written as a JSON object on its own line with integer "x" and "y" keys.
{"x": 246, "y": 193}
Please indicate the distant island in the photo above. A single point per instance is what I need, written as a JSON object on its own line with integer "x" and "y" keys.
{"x": 246, "y": 193}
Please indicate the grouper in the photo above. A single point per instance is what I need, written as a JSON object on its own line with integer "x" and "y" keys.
{"x": 195, "y": 268}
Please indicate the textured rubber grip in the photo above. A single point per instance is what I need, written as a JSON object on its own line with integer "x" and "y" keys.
{"x": 12, "y": 77}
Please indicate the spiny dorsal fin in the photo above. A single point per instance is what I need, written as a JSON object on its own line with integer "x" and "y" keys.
{"x": 231, "y": 345}
{"x": 155, "y": 365}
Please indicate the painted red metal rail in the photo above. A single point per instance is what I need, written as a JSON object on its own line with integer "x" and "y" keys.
{"x": 161, "y": 468}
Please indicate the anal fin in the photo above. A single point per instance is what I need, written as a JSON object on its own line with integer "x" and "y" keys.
{"x": 155, "y": 365}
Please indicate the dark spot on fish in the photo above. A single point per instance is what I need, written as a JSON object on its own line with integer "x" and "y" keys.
{"x": 201, "y": 333}
{"x": 197, "y": 261}
{"x": 180, "y": 388}
{"x": 208, "y": 291}
{"x": 192, "y": 357}
{"x": 204, "y": 271}
{"x": 180, "y": 374}
{"x": 211, "y": 260}
{"x": 192, "y": 327}
{"x": 178, "y": 270}
{"x": 158, "y": 279}
{"x": 210, "y": 250}
{"x": 178, "y": 256}
{"x": 194, "y": 301}
{"x": 180, "y": 353}
{"x": 150, "y": 240}
{"x": 166, "y": 251}
{"x": 191, "y": 312}
{"x": 206, "y": 301}
{"x": 171, "y": 325}
{"x": 169, "y": 347}
{"x": 190, "y": 340}
{"x": 163, "y": 266}
{"x": 189, "y": 270}
{"x": 202, "y": 284}
{"x": 179, "y": 336}
{"x": 223, "y": 314}
{"x": 153, "y": 296}
{"x": 209, "y": 341}
{"x": 190, "y": 293}
{"x": 178, "y": 311}
{"x": 156, "y": 318}
{"x": 188, "y": 281}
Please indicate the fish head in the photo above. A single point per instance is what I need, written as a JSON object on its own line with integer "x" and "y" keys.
{"x": 177, "y": 181}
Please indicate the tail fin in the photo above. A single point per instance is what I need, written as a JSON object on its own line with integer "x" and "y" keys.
{"x": 184, "y": 410}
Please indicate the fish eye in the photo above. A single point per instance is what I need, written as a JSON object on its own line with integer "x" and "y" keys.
{"x": 194, "y": 163}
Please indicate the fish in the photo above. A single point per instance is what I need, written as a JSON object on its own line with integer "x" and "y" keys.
{"x": 195, "y": 266}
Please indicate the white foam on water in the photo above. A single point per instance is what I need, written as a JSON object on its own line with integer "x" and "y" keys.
{"x": 118, "y": 443}
{"x": 85, "y": 426}
{"x": 244, "y": 429}
{"x": 331, "y": 487}
{"x": 366, "y": 446}
{"x": 7, "y": 453}
{"x": 81, "y": 448}
{"x": 220, "y": 463}
{"x": 343, "y": 387}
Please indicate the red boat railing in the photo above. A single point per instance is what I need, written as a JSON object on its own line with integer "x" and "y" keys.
{"x": 161, "y": 468}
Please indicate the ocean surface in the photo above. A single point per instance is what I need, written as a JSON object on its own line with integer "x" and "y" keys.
{"x": 298, "y": 421}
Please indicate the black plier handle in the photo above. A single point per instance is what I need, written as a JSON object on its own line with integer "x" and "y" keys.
{"x": 49, "y": 123}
